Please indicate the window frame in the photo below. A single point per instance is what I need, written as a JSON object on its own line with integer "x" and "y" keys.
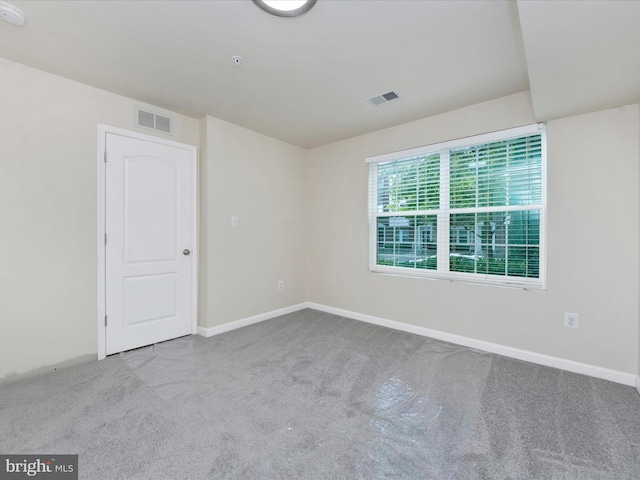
{"x": 444, "y": 212}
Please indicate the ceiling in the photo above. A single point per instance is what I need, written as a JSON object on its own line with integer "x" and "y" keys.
{"x": 306, "y": 80}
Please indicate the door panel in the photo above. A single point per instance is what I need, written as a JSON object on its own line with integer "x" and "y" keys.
{"x": 162, "y": 288}
{"x": 150, "y": 208}
{"x": 149, "y": 222}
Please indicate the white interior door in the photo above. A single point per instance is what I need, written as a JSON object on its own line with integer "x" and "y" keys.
{"x": 149, "y": 225}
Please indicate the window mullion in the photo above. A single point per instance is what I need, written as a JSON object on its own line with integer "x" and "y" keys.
{"x": 443, "y": 216}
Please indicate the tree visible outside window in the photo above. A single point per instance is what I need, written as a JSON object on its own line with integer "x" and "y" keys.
{"x": 472, "y": 209}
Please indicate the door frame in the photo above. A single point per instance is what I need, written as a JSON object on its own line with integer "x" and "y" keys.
{"x": 103, "y": 130}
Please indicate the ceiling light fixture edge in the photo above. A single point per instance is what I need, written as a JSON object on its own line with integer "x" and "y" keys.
{"x": 12, "y": 14}
{"x": 264, "y": 5}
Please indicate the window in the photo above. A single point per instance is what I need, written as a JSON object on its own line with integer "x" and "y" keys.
{"x": 471, "y": 209}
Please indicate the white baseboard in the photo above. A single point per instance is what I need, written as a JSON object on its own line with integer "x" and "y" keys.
{"x": 528, "y": 356}
{"x": 541, "y": 359}
{"x": 243, "y": 322}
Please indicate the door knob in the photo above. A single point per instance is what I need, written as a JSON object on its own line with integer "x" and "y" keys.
{"x": 186, "y": 251}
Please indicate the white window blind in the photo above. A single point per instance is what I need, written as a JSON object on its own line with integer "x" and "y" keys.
{"x": 471, "y": 209}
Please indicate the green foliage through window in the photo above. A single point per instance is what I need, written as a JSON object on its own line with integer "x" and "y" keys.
{"x": 489, "y": 196}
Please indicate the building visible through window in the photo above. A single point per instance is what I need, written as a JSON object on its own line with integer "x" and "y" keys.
{"x": 471, "y": 209}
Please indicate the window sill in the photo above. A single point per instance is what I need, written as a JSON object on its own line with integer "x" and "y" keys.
{"x": 519, "y": 283}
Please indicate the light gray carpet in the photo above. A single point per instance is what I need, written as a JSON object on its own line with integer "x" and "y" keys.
{"x": 316, "y": 396}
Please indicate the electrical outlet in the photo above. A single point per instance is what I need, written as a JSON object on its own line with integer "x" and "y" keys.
{"x": 280, "y": 285}
{"x": 571, "y": 320}
{"x": 234, "y": 221}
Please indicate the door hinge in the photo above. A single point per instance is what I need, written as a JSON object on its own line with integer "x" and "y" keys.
{"x": 105, "y": 320}
{"x": 105, "y": 156}
{"x": 105, "y": 238}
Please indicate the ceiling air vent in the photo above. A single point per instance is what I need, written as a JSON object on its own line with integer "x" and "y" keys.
{"x": 384, "y": 98}
{"x": 160, "y": 123}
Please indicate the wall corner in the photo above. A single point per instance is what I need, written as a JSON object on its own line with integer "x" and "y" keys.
{"x": 202, "y": 223}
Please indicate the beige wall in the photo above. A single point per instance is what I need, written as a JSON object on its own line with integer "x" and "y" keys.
{"x": 260, "y": 180}
{"x": 592, "y": 238}
{"x": 303, "y": 220}
{"x": 48, "y": 175}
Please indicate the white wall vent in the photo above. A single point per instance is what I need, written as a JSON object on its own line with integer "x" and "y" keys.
{"x": 160, "y": 123}
{"x": 384, "y": 98}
